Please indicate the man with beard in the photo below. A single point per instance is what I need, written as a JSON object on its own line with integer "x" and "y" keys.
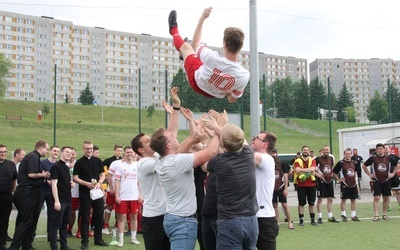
{"x": 381, "y": 175}
{"x": 304, "y": 176}
{"x": 325, "y": 189}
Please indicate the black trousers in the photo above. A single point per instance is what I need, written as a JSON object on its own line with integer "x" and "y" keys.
{"x": 47, "y": 196}
{"x": 27, "y": 201}
{"x": 59, "y": 222}
{"x": 209, "y": 231}
{"x": 6, "y": 200}
{"x": 85, "y": 203}
{"x": 153, "y": 233}
{"x": 268, "y": 230}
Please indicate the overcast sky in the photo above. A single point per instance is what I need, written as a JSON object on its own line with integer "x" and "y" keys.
{"x": 307, "y": 29}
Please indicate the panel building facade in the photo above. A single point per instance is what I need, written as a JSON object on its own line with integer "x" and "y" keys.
{"x": 48, "y": 53}
{"x": 362, "y": 78}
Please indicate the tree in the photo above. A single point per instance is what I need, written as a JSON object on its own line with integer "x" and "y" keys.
{"x": 86, "y": 97}
{"x": 66, "y": 98}
{"x": 395, "y": 102}
{"x": 350, "y": 114}
{"x": 283, "y": 90}
{"x": 5, "y": 67}
{"x": 301, "y": 96}
{"x": 150, "y": 111}
{"x": 45, "y": 109}
{"x": 345, "y": 99}
{"x": 377, "y": 109}
{"x": 318, "y": 98}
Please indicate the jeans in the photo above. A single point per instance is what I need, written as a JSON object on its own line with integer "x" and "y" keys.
{"x": 59, "y": 223}
{"x": 153, "y": 233}
{"x": 268, "y": 230}
{"x": 237, "y": 233}
{"x": 182, "y": 231}
{"x": 209, "y": 229}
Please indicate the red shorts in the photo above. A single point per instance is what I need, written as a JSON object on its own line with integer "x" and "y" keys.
{"x": 132, "y": 206}
{"x": 75, "y": 203}
{"x": 110, "y": 199}
{"x": 193, "y": 63}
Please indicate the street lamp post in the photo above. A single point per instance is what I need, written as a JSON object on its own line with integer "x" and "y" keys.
{"x": 273, "y": 94}
{"x": 102, "y": 108}
{"x": 19, "y": 74}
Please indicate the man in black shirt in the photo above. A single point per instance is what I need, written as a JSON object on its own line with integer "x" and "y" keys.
{"x": 358, "y": 160}
{"x": 89, "y": 174}
{"x": 27, "y": 196}
{"x": 61, "y": 191}
{"x": 8, "y": 177}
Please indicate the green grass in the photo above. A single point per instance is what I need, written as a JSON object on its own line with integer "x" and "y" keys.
{"x": 120, "y": 125}
{"x": 344, "y": 235}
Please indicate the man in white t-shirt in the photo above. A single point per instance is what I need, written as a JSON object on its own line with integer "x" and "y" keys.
{"x": 208, "y": 73}
{"x": 127, "y": 194}
{"x": 262, "y": 144}
{"x": 175, "y": 171}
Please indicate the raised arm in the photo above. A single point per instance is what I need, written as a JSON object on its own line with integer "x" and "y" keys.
{"x": 173, "y": 124}
{"x": 199, "y": 28}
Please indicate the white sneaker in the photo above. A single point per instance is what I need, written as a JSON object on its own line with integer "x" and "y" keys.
{"x": 120, "y": 243}
{"x": 135, "y": 241}
{"x": 106, "y": 231}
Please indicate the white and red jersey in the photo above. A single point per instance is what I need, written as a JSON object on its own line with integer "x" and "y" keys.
{"x": 111, "y": 170}
{"x": 127, "y": 174}
{"x": 219, "y": 76}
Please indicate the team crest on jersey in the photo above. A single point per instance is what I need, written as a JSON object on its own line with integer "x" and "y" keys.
{"x": 350, "y": 172}
{"x": 327, "y": 169}
{"x": 276, "y": 175}
{"x": 382, "y": 167}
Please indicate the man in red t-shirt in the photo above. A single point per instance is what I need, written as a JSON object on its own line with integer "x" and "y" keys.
{"x": 304, "y": 168}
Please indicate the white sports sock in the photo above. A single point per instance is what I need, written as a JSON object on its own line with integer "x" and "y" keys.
{"x": 353, "y": 213}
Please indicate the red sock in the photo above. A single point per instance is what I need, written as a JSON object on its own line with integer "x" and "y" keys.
{"x": 178, "y": 41}
{"x": 69, "y": 228}
{"x": 105, "y": 225}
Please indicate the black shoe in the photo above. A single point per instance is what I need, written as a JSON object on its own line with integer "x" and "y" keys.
{"x": 314, "y": 223}
{"x": 69, "y": 233}
{"x": 68, "y": 248}
{"x": 100, "y": 243}
{"x": 172, "y": 20}
{"x": 301, "y": 223}
{"x": 320, "y": 221}
{"x": 84, "y": 246}
{"x": 8, "y": 238}
{"x": 332, "y": 219}
{"x": 127, "y": 233}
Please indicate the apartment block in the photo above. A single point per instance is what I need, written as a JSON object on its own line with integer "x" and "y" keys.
{"x": 50, "y": 54}
{"x": 362, "y": 78}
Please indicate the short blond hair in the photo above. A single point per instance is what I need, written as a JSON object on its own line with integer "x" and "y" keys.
{"x": 232, "y": 138}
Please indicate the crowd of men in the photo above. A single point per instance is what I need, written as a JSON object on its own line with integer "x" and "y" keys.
{"x": 238, "y": 190}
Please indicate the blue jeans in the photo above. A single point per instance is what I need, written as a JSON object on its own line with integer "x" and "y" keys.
{"x": 237, "y": 233}
{"x": 181, "y": 231}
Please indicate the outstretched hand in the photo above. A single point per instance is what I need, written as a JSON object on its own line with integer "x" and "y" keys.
{"x": 222, "y": 119}
{"x": 206, "y": 12}
{"x": 167, "y": 107}
{"x": 175, "y": 97}
{"x": 187, "y": 113}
